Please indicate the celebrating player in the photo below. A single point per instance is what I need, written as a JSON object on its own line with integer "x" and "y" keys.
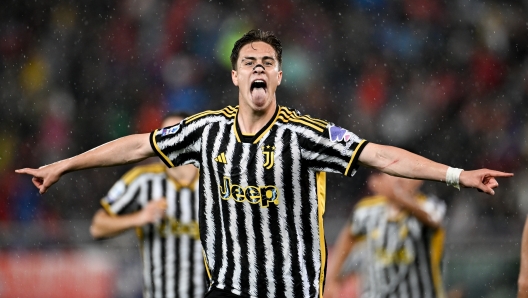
{"x": 262, "y": 178}
{"x": 162, "y": 205}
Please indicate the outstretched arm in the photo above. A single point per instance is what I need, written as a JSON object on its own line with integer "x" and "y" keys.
{"x": 398, "y": 162}
{"x": 124, "y": 150}
{"x": 342, "y": 248}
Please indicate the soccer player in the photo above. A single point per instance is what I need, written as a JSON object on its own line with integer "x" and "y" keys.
{"x": 262, "y": 178}
{"x": 404, "y": 239}
{"x": 523, "y": 273}
{"x": 162, "y": 205}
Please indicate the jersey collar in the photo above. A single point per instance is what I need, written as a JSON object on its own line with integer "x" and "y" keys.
{"x": 253, "y": 139}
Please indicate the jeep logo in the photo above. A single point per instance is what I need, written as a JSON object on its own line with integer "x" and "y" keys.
{"x": 253, "y": 194}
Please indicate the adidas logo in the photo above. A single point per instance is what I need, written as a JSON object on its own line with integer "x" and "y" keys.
{"x": 221, "y": 158}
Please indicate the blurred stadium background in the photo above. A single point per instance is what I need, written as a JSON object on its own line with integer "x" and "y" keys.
{"x": 445, "y": 78}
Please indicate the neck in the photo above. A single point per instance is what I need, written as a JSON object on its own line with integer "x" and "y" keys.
{"x": 251, "y": 121}
{"x": 183, "y": 174}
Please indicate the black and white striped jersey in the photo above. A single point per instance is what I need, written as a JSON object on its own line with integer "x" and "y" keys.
{"x": 262, "y": 196}
{"x": 403, "y": 256}
{"x": 173, "y": 264}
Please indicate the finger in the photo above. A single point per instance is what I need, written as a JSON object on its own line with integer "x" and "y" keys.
{"x": 37, "y": 181}
{"x": 500, "y": 174}
{"x": 42, "y": 189}
{"x": 25, "y": 171}
{"x": 492, "y": 183}
{"x": 486, "y": 189}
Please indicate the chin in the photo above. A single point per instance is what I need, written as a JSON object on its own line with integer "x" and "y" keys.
{"x": 260, "y": 104}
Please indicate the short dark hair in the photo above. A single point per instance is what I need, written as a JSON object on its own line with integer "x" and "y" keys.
{"x": 253, "y": 36}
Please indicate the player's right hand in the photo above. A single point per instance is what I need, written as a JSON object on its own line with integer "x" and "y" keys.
{"x": 43, "y": 177}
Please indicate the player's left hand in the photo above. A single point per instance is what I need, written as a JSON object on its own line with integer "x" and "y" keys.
{"x": 483, "y": 179}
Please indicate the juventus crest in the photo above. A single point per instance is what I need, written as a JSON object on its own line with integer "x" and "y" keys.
{"x": 269, "y": 155}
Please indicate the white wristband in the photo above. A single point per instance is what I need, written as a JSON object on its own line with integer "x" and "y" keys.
{"x": 453, "y": 177}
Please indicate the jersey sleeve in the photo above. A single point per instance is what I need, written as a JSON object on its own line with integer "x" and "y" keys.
{"x": 122, "y": 197}
{"x": 179, "y": 144}
{"x": 358, "y": 222}
{"x": 333, "y": 149}
{"x": 435, "y": 207}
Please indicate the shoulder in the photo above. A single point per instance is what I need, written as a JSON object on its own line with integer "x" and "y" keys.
{"x": 371, "y": 202}
{"x": 294, "y": 117}
{"x": 227, "y": 113}
{"x": 366, "y": 209}
{"x": 136, "y": 172}
{"x": 431, "y": 201}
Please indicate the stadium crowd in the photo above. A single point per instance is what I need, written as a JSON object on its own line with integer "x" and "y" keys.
{"x": 446, "y": 78}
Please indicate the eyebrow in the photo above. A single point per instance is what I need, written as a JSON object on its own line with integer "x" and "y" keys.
{"x": 254, "y": 58}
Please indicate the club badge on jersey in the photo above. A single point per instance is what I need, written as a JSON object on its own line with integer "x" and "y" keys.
{"x": 269, "y": 154}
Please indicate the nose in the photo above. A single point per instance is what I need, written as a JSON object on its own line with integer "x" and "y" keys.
{"x": 259, "y": 66}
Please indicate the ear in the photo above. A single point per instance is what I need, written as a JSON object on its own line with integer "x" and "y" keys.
{"x": 279, "y": 77}
{"x": 234, "y": 77}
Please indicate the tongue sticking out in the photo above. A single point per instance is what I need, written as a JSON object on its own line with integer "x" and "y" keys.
{"x": 258, "y": 90}
{"x": 258, "y": 93}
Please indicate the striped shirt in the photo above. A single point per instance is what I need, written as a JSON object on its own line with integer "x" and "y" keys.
{"x": 262, "y": 196}
{"x": 403, "y": 256}
{"x": 171, "y": 251}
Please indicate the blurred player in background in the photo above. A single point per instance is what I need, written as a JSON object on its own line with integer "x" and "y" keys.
{"x": 262, "y": 177}
{"x": 403, "y": 241}
{"x": 523, "y": 274}
{"x": 162, "y": 205}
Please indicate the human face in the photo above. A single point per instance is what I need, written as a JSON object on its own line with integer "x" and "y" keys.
{"x": 257, "y": 76}
{"x": 379, "y": 184}
{"x": 410, "y": 185}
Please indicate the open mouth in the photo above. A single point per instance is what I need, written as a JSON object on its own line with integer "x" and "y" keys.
{"x": 258, "y": 84}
